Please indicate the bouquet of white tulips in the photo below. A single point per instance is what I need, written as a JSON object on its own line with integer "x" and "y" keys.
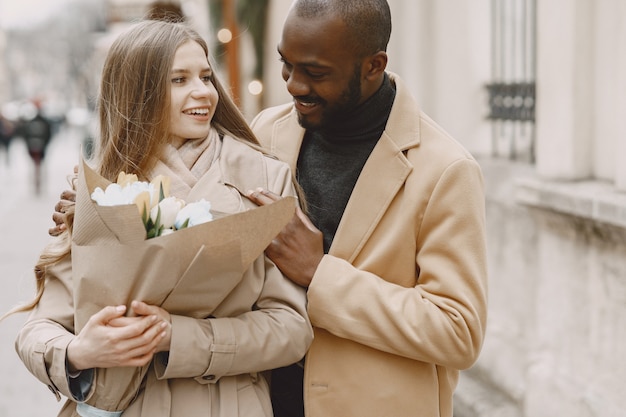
{"x": 161, "y": 213}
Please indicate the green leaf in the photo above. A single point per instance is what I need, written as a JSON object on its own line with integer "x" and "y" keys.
{"x": 157, "y": 227}
{"x": 147, "y": 222}
{"x": 161, "y": 192}
{"x": 157, "y": 222}
{"x": 144, "y": 215}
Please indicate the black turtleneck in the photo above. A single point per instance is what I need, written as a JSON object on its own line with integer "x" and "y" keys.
{"x": 331, "y": 159}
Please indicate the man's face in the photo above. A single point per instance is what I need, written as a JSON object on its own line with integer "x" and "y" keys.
{"x": 321, "y": 70}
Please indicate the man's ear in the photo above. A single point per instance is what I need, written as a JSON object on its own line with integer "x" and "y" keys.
{"x": 375, "y": 65}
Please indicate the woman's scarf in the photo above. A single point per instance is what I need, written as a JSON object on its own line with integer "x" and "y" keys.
{"x": 187, "y": 163}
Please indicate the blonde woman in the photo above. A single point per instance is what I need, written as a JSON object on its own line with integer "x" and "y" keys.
{"x": 163, "y": 111}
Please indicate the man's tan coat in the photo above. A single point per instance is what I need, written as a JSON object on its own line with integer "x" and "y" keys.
{"x": 398, "y": 304}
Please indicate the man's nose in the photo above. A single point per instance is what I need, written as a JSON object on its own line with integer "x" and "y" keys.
{"x": 296, "y": 85}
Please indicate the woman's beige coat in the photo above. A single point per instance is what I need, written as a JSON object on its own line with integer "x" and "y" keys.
{"x": 214, "y": 365}
{"x": 398, "y": 304}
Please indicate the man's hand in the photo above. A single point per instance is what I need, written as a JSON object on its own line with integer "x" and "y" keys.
{"x": 298, "y": 249}
{"x": 67, "y": 199}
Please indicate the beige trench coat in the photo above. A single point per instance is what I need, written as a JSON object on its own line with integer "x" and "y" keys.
{"x": 398, "y": 304}
{"x": 214, "y": 365}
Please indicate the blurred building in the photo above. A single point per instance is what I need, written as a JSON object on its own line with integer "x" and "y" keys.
{"x": 127, "y": 11}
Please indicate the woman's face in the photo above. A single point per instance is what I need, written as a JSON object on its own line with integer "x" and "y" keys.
{"x": 193, "y": 97}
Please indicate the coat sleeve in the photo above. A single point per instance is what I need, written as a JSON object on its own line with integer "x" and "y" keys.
{"x": 275, "y": 331}
{"x": 42, "y": 342}
{"x": 442, "y": 318}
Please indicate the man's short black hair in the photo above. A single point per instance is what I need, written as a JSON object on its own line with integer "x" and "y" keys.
{"x": 368, "y": 21}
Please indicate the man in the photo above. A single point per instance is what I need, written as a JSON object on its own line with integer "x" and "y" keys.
{"x": 393, "y": 255}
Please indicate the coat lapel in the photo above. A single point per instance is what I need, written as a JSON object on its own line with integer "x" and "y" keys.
{"x": 382, "y": 177}
{"x": 287, "y": 136}
{"x": 383, "y": 174}
{"x": 240, "y": 167}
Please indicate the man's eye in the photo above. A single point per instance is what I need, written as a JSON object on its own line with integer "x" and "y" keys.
{"x": 285, "y": 63}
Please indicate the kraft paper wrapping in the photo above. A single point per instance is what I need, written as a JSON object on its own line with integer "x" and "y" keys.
{"x": 189, "y": 272}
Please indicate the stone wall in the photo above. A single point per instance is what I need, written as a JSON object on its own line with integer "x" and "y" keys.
{"x": 556, "y": 335}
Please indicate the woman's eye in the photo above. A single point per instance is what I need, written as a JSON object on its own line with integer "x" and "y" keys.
{"x": 178, "y": 80}
{"x": 206, "y": 79}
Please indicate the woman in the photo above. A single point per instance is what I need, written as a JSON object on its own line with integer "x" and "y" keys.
{"x": 163, "y": 111}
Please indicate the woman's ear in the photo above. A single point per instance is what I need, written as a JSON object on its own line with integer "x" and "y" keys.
{"x": 375, "y": 65}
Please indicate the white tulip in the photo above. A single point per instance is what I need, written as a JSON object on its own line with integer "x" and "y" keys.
{"x": 197, "y": 213}
{"x": 166, "y": 232}
{"x": 116, "y": 195}
{"x": 170, "y": 207}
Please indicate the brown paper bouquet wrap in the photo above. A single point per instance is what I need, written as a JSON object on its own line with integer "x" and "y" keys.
{"x": 188, "y": 272}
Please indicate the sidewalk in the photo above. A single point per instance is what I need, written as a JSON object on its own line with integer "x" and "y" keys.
{"x": 24, "y": 221}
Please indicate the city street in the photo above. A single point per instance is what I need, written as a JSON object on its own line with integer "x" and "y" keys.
{"x": 24, "y": 222}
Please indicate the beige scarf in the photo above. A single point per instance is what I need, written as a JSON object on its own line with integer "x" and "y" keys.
{"x": 185, "y": 163}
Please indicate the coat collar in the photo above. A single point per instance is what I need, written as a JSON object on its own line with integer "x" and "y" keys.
{"x": 402, "y": 131}
{"x": 241, "y": 166}
{"x": 403, "y": 127}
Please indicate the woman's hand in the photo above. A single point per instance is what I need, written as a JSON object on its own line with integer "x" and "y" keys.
{"x": 142, "y": 309}
{"x": 109, "y": 340}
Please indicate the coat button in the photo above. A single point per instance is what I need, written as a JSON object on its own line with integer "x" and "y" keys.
{"x": 208, "y": 377}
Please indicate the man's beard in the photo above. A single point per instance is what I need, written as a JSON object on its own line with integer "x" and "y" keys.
{"x": 339, "y": 111}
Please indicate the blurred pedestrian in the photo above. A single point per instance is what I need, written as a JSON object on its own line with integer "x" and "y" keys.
{"x": 37, "y": 133}
{"x": 6, "y": 135}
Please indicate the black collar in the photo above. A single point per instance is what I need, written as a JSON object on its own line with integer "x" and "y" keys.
{"x": 368, "y": 118}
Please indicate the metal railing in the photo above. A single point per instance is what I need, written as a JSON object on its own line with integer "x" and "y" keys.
{"x": 511, "y": 93}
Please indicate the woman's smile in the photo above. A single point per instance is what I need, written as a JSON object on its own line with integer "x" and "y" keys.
{"x": 199, "y": 113}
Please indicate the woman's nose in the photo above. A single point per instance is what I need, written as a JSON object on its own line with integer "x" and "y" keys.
{"x": 201, "y": 88}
